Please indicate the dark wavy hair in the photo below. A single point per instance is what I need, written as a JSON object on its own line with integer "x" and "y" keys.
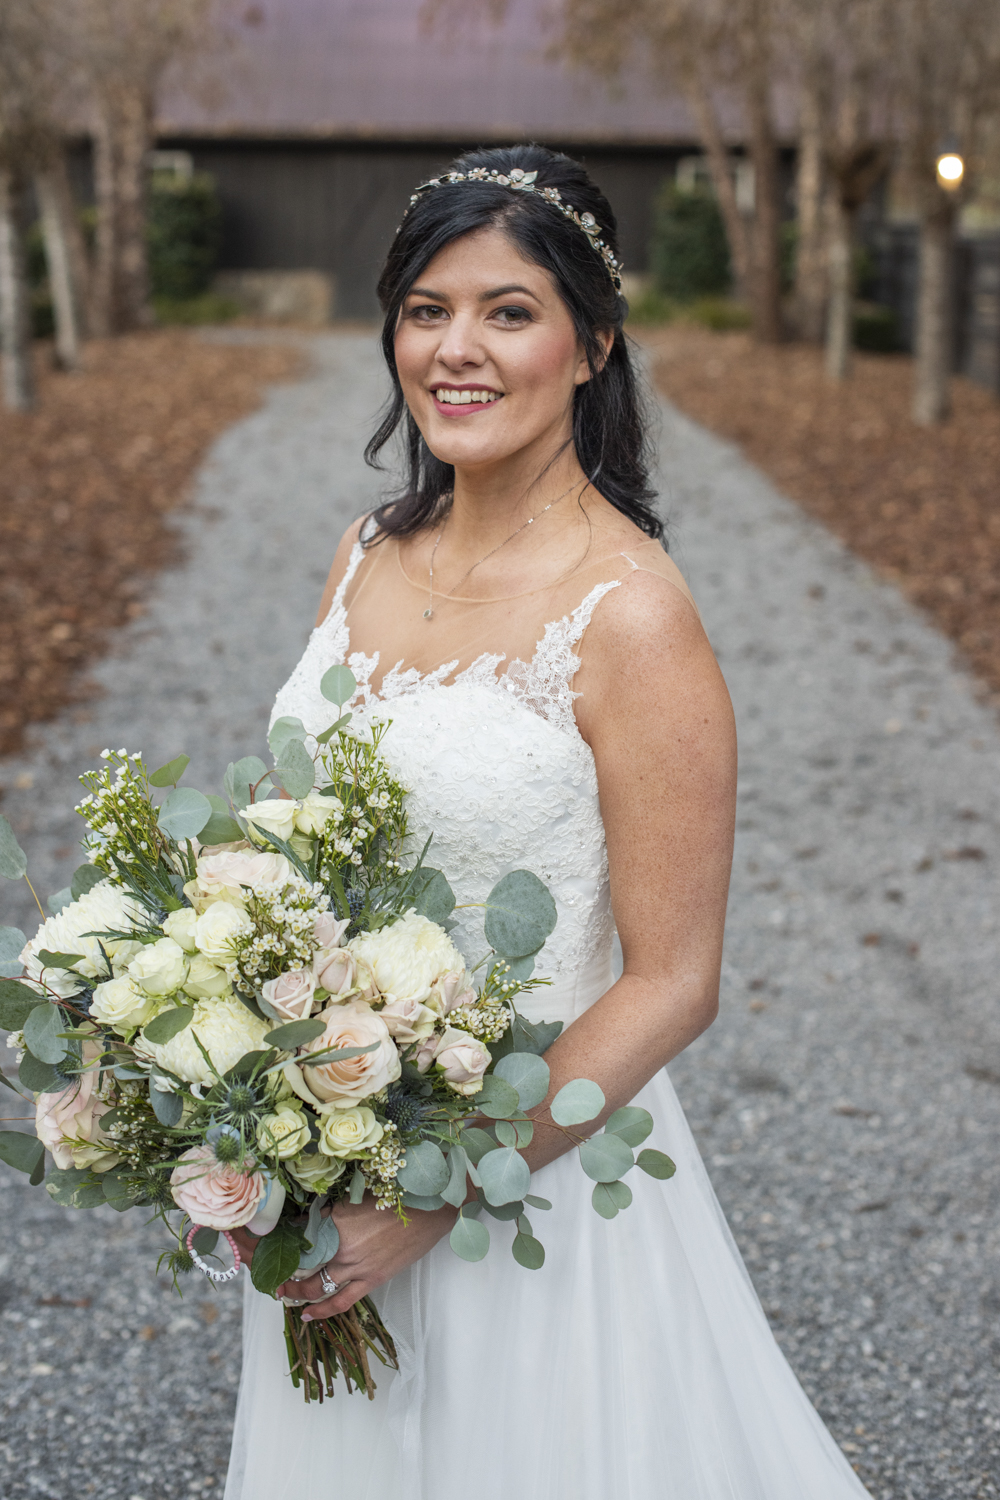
{"x": 609, "y": 425}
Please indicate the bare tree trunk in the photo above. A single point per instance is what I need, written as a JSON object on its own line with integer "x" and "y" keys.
{"x": 840, "y": 314}
{"x": 56, "y": 234}
{"x": 932, "y": 369}
{"x": 121, "y": 274}
{"x": 765, "y": 280}
{"x": 706, "y": 120}
{"x": 15, "y": 311}
{"x": 810, "y": 291}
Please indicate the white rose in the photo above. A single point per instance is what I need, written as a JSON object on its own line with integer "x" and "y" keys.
{"x": 351, "y": 1079}
{"x": 291, "y": 994}
{"x": 316, "y": 1173}
{"x": 222, "y": 877}
{"x": 104, "y": 908}
{"x": 160, "y": 967}
{"x": 226, "y": 1029}
{"x": 179, "y": 925}
{"x": 121, "y": 1004}
{"x": 408, "y": 1021}
{"x": 283, "y": 1134}
{"x": 348, "y": 1132}
{"x": 276, "y": 815}
{"x": 216, "y": 929}
{"x": 313, "y": 812}
{"x": 205, "y": 980}
{"x": 463, "y": 1059}
{"x": 407, "y": 957}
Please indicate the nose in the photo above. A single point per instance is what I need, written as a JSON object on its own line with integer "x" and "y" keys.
{"x": 461, "y": 344}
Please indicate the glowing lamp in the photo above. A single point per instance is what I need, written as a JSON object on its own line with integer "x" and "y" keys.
{"x": 950, "y": 169}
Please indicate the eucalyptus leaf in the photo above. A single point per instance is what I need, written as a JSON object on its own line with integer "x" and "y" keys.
{"x": 169, "y": 1023}
{"x": 426, "y": 1172}
{"x": 12, "y": 941}
{"x": 470, "y": 1239}
{"x": 8, "y": 1085}
{"x": 295, "y": 771}
{"x": 58, "y": 960}
{"x": 72, "y": 1189}
{"x": 204, "y": 1239}
{"x": 577, "y": 1102}
{"x": 119, "y": 1192}
{"x": 525, "y": 1133}
{"x": 41, "y": 1034}
{"x": 476, "y": 1143}
{"x": 184, "y": 813}
{"x": 505, "y": 1176}
{"x": 528, "y": 1251}
{"x": 168, "y": 1108}
{"x": 631, "y": 1123}
{"x": 609, "y": 1198}
{"x": 16, "y": 1002}
{"x": 59, "y": 900}
{"x": 457, "y": 1187}
{"x": 85, "y": 877}
{"x": 171, "y": 773}
{"x": 432, "y": 896}
{"x": 497, "y": 1099}
{"x": 276, "y": 1257}
{"x": 283, "y": 730}
{"x": 13, "y": 860}
{"x": 220, "y": 828}
{"x": 424, "y": 1204}
{"x": 527, "y": 1036}
{"x": 528, "y": 1074}
{"x": 334, "y": 1054}
{"x": 520, "y": 914}
{"x": 656, "y": 1164}
{"x": 539, "y": 1203}
{"x": 40, "y": 1077}
{"x": 325, "y": 1242}
{"x": 38, "y": 1174}
{"x": 295, "y": 1034}
{"x": 520, "y": 969}
{"x": 241, "y": 777}
{"x": 20, "y": 1151}
{"x": 335, "y": 728}
{"x": 506, "y": 1134}
{"x": 605, "y": 1157}
{"x": 338, "y": 685}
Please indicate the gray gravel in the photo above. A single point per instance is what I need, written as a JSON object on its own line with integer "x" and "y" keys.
{"x": 847, "y": 1099}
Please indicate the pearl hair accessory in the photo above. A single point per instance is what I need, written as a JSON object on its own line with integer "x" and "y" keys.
{"x": 524, "y": 182}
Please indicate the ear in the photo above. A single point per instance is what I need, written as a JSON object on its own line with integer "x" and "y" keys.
{"x": 582, "y": 375}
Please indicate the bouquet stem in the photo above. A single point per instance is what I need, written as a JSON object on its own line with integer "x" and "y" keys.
{"x": 320, "y": 1351}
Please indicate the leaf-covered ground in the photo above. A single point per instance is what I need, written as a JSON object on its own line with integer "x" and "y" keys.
{"x": 922, "y": 505}
{"x": 86, "y": 482}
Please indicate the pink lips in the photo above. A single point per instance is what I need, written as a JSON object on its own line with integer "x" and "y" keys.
{"x": 449, "y": 409}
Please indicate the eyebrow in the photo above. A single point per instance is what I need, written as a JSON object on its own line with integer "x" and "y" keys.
{"x": 497, "y": 291}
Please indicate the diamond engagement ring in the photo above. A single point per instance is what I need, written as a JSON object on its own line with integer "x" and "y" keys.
{"x": 327, "y": 1282}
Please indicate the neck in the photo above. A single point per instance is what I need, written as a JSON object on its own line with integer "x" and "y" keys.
{"x": 489, "y": 504}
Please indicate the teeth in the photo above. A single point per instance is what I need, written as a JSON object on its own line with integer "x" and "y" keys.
{"x": 465, "y": 398}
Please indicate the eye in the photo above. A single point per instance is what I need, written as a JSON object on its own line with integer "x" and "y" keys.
{"x": 427, "y": 312}
{"x": 511, "y": 317}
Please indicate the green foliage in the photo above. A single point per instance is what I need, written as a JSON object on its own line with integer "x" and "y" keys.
{"x": 84, "y": 880}
{"x": 295, "y": 771}
{"x": 433, "y": 897}
{"x": 577, "y": 1102}
{"x": 656, "y": 1164}
{"x": 20, "y": 1151}
{"x": 171, "y": 773}
{"x": 241, "y": 776}
{"x": 426, "y": 1172}
{"x": 277, "y": 1257}
{"x": 184, "y": 813}
{"x": 520, "y": 914}
{"x": 283, "y": 730}
{"x": 497, "y": 1099}
{"x": 184, "y": 227}
{"x": 688, "y": 253}
{"x": 168, "y": 1024}
{"x": 13, "y": 860}
{"x": 192, "y": 312}
{"x": 338, "y": 685}
{"x": 605, "y": 1157}
{"x": 42, "y": 1037}
{"x": 528, "y": 1074}
{"x": 505, "y": 1176}
{"x": 220, "y": 828}
{"x": 528, "y": 1252}
{"x": 609, "y": 1198}
{"x": 72, "y": 1189}
{"x": 12, "y": 941}
{"x": 293, "y": 1034}
{"x": 470, "y": 1239}
{"x": 631, "y": 1123}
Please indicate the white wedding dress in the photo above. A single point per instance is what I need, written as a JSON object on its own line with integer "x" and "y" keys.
{"x": 637, "y": 1364}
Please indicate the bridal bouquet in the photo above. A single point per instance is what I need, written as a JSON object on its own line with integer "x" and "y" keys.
{"x": 247, "y": 1008}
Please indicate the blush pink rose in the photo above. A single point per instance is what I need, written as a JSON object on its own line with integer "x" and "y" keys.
{"x": 215, "y": 1193}
{"x": 408, "y": 1020}
{"x": 352, "y": 1079}
{"x": 221, "y": 877}
{"x": 71, "y": 1115}
{"x": 334, "y": 970}
{"x": 291, "y": 994}
{"x": 329, "y": 930}
{"x": 463, "y": 1059}
{"x": 451, "y": 990}
{"x": 424, "y": 1055}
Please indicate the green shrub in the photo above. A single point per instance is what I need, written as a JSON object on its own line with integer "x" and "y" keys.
{"x": 689, "y": 253}
{"x": 652, "y": 307}
{"x": 876, "y": 329}
{"x": 185, "y": 234}
{"x": 208, "y": 308}
{"x": 721, "y": 314}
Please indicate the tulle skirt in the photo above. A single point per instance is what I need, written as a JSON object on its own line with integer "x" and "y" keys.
{"x": 637, "y": 1364}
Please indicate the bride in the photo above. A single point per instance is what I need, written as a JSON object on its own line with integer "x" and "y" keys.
{"x": 555, "y": 706}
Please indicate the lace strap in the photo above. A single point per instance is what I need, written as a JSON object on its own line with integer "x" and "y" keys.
{"x": 353, "y": 563}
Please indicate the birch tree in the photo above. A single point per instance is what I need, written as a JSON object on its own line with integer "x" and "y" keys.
{"x": 17, "y": 48}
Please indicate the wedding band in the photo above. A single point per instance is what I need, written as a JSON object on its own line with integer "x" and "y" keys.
{"x": 326, "y": 1282}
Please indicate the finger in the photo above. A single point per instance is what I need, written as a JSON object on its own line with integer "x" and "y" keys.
{"x": 310, "y": 1288}
{"x": 347, "y": 1295}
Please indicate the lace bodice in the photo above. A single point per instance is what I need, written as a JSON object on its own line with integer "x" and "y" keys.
{"x": 497, "y": 770}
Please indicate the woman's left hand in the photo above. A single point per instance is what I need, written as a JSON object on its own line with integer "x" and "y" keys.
{"x": 374, "y": 1247}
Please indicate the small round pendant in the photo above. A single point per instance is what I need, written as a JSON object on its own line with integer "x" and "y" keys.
{"x": 428, "y": 614}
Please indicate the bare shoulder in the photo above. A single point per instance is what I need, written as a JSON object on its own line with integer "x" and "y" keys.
{"x": 341, "y": 558}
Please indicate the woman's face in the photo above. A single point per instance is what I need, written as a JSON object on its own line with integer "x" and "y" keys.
{"x": 487, "y": 354}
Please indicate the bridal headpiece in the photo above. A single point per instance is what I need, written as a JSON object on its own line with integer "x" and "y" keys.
{"x": 524, "y": 182}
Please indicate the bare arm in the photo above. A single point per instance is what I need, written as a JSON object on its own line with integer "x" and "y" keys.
{"x": 655, "y": 711}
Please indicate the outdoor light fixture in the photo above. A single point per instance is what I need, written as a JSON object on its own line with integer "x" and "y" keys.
{"x": 950, "y": 169}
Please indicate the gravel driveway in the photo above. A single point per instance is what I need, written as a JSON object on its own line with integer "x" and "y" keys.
{"x": 848, "y": 1099}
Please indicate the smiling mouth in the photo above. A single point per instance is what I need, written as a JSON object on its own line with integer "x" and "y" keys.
{"x": 447, "y": 396}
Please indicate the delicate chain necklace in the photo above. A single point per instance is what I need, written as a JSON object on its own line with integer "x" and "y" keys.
{"x": 429, "y": 611}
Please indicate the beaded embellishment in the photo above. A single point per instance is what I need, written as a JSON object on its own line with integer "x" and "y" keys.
{"x": 524, "y": 182}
